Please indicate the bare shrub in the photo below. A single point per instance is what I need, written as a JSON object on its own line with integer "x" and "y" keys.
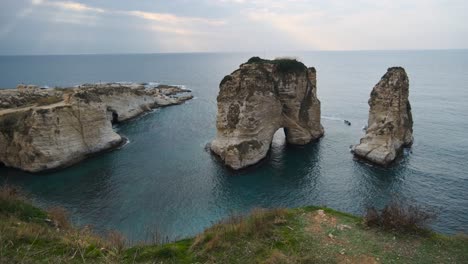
{"x": 116, "y": 240}
{"x": 372, "y": 217}
{"x": 398, "y": 216}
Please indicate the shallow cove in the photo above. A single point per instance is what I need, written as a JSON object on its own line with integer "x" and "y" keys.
{"x": 164, "y": 180}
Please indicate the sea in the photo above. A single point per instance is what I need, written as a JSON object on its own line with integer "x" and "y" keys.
{"x": 165, "y": 182}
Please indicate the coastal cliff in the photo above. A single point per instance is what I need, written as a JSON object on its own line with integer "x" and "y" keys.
{"x": 390, "y": 124}
{"x": 53, "y": 128}
{"x": 259, "y": 98}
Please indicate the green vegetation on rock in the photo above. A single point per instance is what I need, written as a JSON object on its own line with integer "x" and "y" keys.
{"x": 14, "y": 122}
{"x": 283, "y": 65}
{"x": 302, "y": 235}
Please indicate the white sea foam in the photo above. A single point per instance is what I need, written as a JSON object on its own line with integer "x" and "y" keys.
{"x": 332, "y": 118}
{"x": 127, "y": 141}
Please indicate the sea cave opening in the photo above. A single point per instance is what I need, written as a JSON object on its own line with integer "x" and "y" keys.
{"x": 114, "y": 117}
{"x": 278, "y": 143}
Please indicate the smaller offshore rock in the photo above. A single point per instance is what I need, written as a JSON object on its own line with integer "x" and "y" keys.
{"x": 390, "y": 124}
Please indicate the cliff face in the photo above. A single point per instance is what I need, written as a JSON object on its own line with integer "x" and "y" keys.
{"x": 47, "y": 137}
{"x": 38, "y": 136}
{"x": 258, "y": 99}
{"x": 390, "y": 125}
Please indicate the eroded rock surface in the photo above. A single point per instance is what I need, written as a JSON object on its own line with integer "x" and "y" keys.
{"x": 53, "y": 128}
{"x": 390, "y": 124}
{"x": 259, "y": 98}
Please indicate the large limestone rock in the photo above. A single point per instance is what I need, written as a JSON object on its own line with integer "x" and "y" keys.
{"x": 54, "y": 128}
{"x": 259, "y": 98}
{"x": 390, "y": 125}
{"x": 40, "y": 138}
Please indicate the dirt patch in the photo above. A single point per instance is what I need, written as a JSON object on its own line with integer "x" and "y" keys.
{"x": 363, "y": 259}
{"x": 319, "y": 220}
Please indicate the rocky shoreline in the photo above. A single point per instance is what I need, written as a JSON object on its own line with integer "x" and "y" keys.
{"x": 45, "y": 129}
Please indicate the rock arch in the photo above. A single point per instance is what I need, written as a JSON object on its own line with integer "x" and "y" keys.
{"x": 259, "y": 98}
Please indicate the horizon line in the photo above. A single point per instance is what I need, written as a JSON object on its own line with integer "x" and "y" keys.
{"x": 228, "y": 52}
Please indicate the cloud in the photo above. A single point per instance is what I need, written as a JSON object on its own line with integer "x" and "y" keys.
{"x": 236, "y": 25}
{"x": 296, "y": 26}
{"x": 79, "y": 13}
{"x": 69, "y": 5}
{"x": 172, "y": 19}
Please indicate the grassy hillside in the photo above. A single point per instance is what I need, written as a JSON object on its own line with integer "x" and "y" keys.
{"x": 303, "y": 235}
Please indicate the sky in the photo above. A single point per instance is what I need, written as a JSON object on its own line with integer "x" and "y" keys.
{"x": 152, "y": 26}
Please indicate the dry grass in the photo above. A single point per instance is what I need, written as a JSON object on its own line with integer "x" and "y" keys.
{"x": 48, "y": 100}
{"x": 277, "y": 257}
{"x": 257, "y": 225}
{"x": 10, "y": 193}
{"x": 60, "y": 217}
{"x": 154, "y": 237}
{"x": 116, "y": 241}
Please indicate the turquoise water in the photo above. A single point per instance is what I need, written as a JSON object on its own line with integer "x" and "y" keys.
{"x": 164, "y": 180}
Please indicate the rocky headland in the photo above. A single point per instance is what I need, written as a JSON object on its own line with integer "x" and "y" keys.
{"x": 43, "y": 129}
{"x": 259, "y": 98}
{"x": 390, "y": 124}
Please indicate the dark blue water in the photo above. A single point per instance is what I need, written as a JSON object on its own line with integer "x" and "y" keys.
{"x": 164, "y": 180}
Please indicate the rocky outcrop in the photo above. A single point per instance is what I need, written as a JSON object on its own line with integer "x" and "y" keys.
{"x": 48, "y": 129}
{"x": 390, "y": 125}
{"x": 128, "y": 101}
{"x": 259, "y": 98}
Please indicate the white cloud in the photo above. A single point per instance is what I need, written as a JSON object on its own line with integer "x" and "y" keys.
{"x": 68, "y": 5}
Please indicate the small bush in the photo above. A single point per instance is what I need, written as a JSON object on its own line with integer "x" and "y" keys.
{"x": 290, "y": 65}
{"x": 256, "y": 60}
{"x": 397, "y": 216}
{"x": 372, "y": 217}
{"x": 226, "y": 79}
{"x": 283, "y": 65}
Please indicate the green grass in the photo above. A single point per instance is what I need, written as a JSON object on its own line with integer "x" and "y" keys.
{"x": 301, "y": 235}
{"x": 48, "y": 100}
